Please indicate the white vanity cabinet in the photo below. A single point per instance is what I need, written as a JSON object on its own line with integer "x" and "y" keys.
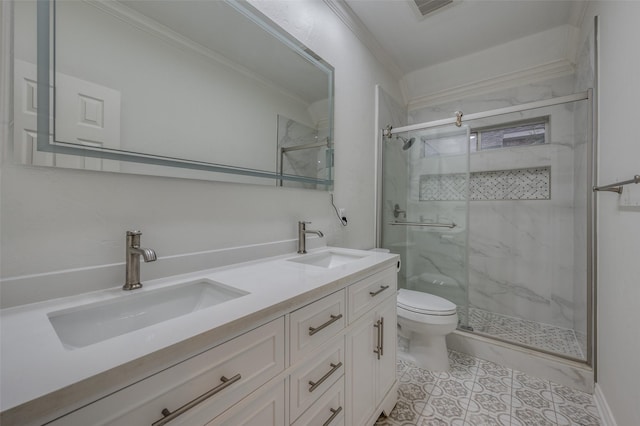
{"x": 357, "y": 356}
{"x": 371, "y": 349}
{"x": 330, "y": 362}
{"x": 200, "y": 388}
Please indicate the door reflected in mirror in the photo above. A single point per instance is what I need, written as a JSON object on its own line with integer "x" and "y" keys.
{"x": 199, "y": 86}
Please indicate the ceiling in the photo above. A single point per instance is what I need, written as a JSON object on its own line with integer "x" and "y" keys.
{"x": 466, "y": 26}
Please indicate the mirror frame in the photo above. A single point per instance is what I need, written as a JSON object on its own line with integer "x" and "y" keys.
{"x": 46, "y": 70}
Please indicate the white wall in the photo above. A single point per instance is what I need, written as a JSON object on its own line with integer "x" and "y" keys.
{"x": 53, "y": 219}
{"x": 618, "y": 373}
{"x": 523, "y": 61}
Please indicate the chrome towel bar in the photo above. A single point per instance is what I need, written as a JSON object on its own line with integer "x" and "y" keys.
{"x": 435, "y": 225}
{"x": 617, "y": 187}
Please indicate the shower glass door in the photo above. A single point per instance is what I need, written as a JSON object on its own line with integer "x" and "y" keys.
{"x": 425, "y": 211}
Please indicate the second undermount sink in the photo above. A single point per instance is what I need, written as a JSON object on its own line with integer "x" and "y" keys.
{"x": 327, "y": 259}
{"x": 85, "y": 325}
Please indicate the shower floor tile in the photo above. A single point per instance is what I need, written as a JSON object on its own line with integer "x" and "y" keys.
{"x": 542, "y": 336}
{"x": 490, "y": 395}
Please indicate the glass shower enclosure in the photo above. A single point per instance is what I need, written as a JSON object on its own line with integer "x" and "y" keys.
{"x": 426, "y": 210}
{"x": 492, "y": 215}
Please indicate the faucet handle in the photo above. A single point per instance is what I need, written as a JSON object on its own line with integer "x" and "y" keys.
{"x": 302, "y": 224}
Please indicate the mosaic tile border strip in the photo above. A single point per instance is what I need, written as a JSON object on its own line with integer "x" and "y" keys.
{"x": 516, "y": 184}
{"x": 479, "y": 392}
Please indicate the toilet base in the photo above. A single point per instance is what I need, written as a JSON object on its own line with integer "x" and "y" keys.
{"x": 429, "y": 353}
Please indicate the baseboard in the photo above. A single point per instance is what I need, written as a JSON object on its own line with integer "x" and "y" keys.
{"x": 606, "y": 416}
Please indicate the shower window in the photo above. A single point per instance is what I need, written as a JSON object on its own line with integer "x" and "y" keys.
{"x": 517, "y": 133}
{"x": 513, "y": 134}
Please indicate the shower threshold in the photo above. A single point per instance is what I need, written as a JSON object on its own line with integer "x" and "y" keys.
{"x": 544, "y": 337}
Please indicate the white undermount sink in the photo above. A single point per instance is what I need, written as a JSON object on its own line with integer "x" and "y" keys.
{"x": 95, "y": 322}
{"x": 327, "y": 259}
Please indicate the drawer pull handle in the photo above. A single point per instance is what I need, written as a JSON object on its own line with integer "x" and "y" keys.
{"x": 333, "y": 319}
{"x": 168, "y": 415}
{"x": 375, "y": 293}
{"x": 334, "y": 414}
{"x": 334, "y": 368}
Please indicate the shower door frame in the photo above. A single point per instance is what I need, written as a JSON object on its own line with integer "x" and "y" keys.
{"x": 591, "y": 207}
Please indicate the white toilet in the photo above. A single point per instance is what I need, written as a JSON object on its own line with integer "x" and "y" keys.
{"x": 425, "y": 319}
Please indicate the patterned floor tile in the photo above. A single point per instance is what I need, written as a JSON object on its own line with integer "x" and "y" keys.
{"x": 531, "y": 333}
{"x": 419, "y": 375}
{"x": 488, "y": 418}
{"x": 449, "y": 401}
{"x": 402, "y": 414}
{"x": 532, "y": 417}
{"x": 476, "y": 392}
{"x": 574, "y": 407}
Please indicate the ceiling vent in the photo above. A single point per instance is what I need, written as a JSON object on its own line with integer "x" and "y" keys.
{"x": 426, "y": 7}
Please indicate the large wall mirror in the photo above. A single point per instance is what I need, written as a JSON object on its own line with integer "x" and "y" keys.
{"x": 186, "y": 88}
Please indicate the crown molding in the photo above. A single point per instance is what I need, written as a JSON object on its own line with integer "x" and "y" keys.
{"x": 542, "y": 72}
{"x": 166, "y": 34}
{"x": 578, "y": 13}
{"x": 342, "y": 10}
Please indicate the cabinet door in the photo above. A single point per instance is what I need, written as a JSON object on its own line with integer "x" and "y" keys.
{"x": 361, "y": 369}
{"x": 387, "y": 362}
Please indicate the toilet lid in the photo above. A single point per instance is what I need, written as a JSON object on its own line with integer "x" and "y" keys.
{"x": 425, "y": 303}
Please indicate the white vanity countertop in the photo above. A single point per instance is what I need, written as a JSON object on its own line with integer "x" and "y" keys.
{"x": 36, "y": 369}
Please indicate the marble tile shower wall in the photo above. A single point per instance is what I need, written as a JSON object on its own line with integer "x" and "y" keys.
{"x": 311, "y": 162}
{"x": 521, "y": 252}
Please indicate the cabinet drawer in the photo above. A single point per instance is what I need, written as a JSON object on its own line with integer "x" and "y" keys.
{"x": 316, "y": 323}
{"x": 328, "y": 409}
{"x": 315, "y": 376}
{"x": 265, "y": 408}
{"x": 372, "y": 290}
{"x": 245, "y": 362}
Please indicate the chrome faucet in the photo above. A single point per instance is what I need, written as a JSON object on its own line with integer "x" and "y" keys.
{"x": 302, "y": 236}
{"x": 134, "y": 251}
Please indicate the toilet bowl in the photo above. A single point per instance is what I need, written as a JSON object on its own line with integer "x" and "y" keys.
{"x": 425, "y": 319}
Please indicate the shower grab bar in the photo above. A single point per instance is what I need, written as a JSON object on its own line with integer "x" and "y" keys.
{"x": 324, "y": 144}
{"x": 434, "y": 225}
{"x": 617, "y": 187}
